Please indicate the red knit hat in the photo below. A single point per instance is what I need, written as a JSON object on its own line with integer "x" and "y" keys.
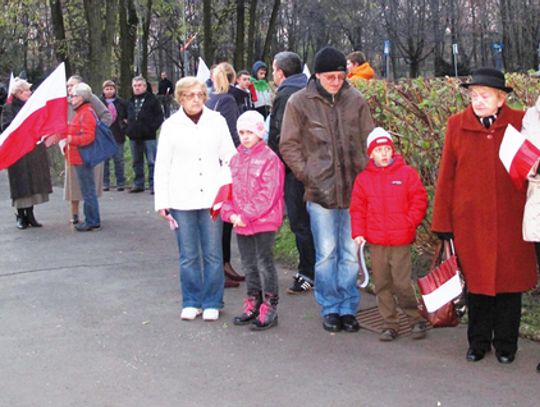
{"x": 379, "y": 137}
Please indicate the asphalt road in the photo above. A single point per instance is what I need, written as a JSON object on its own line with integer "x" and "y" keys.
{"x": 92, "y": 319}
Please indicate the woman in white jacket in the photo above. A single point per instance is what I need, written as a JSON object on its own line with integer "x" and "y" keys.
{"x": 194, "y": 150}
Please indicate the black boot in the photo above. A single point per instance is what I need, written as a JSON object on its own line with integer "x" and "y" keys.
{"x": 22, "y": 222}
{"x": 31, "y": 219}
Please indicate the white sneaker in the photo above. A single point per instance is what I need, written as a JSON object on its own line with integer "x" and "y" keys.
{"x": 190, "y": 313}
{"x": 210, "y": 314}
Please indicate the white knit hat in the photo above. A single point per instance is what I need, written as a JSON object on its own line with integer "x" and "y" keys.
{"x": 252, "y": 121}
{"x": 378, "y": 137}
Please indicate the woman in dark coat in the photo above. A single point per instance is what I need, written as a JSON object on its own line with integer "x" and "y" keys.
{"x": 223, "y": 102}
{"x": 477, "y": 204}
{"x": 29, "y": 178}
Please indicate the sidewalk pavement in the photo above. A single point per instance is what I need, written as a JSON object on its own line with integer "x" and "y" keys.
{"x": 92, "y": 319}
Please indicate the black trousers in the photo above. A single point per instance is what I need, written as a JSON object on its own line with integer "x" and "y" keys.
{"x": 494, "y": 321}
{"x": 537, "y": 247}
{"x": 226, "y": 241}
{"x": 300, "y": 225}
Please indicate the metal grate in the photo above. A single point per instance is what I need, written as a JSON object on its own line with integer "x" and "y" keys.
{"x": 371, "y": 320}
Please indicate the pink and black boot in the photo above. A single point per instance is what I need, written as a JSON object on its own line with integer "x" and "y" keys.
{"x": 267, "y": 317}
{"x": 250, "y": 311}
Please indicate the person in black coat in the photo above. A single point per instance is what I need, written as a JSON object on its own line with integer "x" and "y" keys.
{"x": 29, "y": 177}
{"x": 288, "y": 76}
{"x": 144, "y": 119}
{"x": 165, "y": 92}
{"x": 118, "y": 109}
{"x": 223, "y": 102}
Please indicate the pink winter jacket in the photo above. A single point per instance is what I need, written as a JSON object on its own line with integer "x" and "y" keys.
{"x": 257, "y": 190}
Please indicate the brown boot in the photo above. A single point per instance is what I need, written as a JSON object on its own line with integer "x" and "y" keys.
{"x": 230, "y": 283}
{"x": 231, "y": 273}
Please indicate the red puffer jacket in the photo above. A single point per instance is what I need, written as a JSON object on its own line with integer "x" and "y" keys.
{"x": 82, "y": 130}
{"x": 257, "y": 190}
{"x": 387, "y": 204}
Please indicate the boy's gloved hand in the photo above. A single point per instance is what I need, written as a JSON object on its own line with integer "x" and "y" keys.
{"x": 444, "y": 235}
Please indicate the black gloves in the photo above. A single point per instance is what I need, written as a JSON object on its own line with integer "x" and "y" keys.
{"x": 444, "y": 235}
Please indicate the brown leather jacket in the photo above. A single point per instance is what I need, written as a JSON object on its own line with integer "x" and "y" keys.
{"x": 324, "y": 142}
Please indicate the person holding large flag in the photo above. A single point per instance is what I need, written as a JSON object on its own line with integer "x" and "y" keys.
{"x": 478, "y": 205}
{"x": 29, "y": 177}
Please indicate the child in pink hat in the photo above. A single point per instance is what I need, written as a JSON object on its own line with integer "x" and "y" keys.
{"x": 256, "y": 212}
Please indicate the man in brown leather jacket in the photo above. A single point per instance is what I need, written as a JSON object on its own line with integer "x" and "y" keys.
{"x": 323, "y": 141}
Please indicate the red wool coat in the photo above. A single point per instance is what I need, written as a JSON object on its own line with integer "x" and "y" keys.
{"x": 476, "y": 200}
{"x": 387, "y": 204}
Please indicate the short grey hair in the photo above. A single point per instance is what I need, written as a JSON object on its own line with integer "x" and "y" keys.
{"x": 139, "y": 78}
{"x": 289, "y": 62}
{"x": 20, "y": 85}
{"x": 84, "y": 90}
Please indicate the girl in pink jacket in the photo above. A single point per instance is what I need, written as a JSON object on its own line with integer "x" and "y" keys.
{"x": 256, "y": 212}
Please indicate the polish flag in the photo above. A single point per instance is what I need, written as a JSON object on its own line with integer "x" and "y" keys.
{"x": 43, "y": 114}
{"x": 518, "y": 156}
{"x": 224, "y": 194}
{"x": 10, "y": 88}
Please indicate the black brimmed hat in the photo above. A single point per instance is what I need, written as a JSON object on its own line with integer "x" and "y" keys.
{"x": 490, "y": 77}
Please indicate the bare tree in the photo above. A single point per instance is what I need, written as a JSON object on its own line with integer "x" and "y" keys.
{"x": 128, "y": 22}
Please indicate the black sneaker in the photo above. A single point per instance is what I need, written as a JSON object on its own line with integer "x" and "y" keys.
{"x": 300, "y": 285}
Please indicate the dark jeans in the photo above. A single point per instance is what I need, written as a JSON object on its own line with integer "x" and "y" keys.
{"x": 140, "y": 148}
{"x": 300, "y": 225}
{"x": 494, "y": 320}
{"x": 88, "y": 190}
{"x": 226, "y": 241}
{"x": 257, "y": 256}
{"x": 118, "y": 159}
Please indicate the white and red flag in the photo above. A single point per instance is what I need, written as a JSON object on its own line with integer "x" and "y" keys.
{"x": 518, "y": 156}
{"x": 224, "y": 194}
{"x": 10, "y": 88}
{"x": 43, "y": 114}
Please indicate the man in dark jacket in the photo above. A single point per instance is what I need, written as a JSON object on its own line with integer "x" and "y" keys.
{"x": 118, "y": 110}
{"x": 288, "y": 76}
{"x": 144, "y": 118}
{"x": 323, "y": 141}
{"x": 165, "y": 92}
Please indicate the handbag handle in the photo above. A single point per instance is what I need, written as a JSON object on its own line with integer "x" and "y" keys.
{"x": 444, "y": 247}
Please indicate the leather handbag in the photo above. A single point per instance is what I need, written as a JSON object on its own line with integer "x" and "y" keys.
{"x": 102, "y": 148}
{"x": 441, "y": 287}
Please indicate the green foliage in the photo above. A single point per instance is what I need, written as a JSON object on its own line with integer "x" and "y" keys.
{"x": 285, "y": 246}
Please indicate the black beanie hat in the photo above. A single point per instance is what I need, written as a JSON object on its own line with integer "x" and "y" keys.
{"x": 330, "y": 59}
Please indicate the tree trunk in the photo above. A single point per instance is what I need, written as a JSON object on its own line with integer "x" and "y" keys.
{"x": 207, "y": 28}
{"x": 238, "y": 61}
{"x": 128, "y": 35}
{"x": 144, "y": 39}
{"x": 96, "y": 64}
{"x": 60, "y": 45}
{"x": 271, "y": 29}
{"x": 251, "y": 32}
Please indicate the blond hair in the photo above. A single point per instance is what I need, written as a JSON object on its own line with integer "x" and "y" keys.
{"x": 223, "y": 75}
{"x": 186, "y": 83}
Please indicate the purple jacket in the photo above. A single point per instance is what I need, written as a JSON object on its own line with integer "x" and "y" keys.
{"x": 257, "y": 190}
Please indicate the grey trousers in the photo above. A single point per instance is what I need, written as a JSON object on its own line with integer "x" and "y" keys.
{"x": 256, "y": 252}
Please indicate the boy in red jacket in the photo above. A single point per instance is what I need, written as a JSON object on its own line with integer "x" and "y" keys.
{"x": 388, "y": 203}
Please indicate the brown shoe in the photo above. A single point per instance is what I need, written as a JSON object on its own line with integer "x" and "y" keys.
{"x": 231, "y": 273}
{"x": 230, "y": 283}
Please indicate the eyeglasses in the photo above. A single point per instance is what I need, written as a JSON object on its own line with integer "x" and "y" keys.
{"x": 193, "y": 95}
{"x": 333, "y": 77}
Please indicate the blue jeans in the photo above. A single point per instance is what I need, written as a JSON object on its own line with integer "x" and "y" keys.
{"x": 201, "y": 258}
{"x": 336, "y": 266}
{"x": 118, "y": 160}
{"x": 88, "y": 190}
{"x": 140, "y": 148}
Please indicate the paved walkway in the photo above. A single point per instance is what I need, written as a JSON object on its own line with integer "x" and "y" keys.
{"x": 92, "y": 319}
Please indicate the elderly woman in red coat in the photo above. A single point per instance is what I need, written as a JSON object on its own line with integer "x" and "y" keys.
{"x": 477, "y": 204}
